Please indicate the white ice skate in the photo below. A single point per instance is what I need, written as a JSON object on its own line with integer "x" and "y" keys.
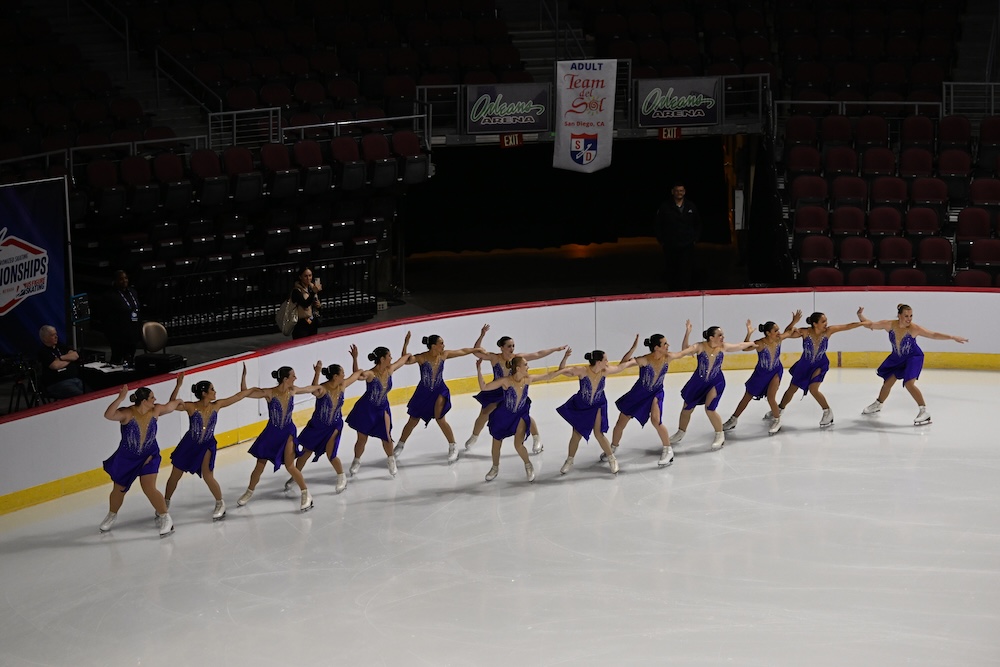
{"x": 666, "y": 457}
{"x": 730, "y": 423}
{"x": 827, "y": 418}
{"x": 923, "y": 417}
{"x": 873, "y": 408}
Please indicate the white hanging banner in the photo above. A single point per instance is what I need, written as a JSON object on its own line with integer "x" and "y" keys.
{"x": 585, "y": 111}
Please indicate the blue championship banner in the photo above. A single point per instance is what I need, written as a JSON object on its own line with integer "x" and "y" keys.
{"x": 508, "y": 107}
{"x": 585, "y": 114}
{"x": 33, "y": 266}
{"x": 678, "y": 102}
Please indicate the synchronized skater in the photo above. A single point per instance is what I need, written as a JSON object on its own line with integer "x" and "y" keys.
{"x": 506, "y": 406}
{"x": 490, "y": 399}
{"x": 766, "y": 376}
{"x": 511, "y": 416}
{"x": 906, "y": 359}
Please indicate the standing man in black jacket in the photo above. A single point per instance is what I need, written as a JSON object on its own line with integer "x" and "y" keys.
{"x": 678, "y": 227}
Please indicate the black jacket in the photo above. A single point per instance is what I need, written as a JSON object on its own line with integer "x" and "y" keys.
{"x": 678, "y": 227}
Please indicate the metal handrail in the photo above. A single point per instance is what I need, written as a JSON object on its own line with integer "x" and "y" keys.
{"x": 159, "y": 69}
{"x": 124, "y": 32}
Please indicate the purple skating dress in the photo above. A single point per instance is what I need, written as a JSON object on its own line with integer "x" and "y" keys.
{"x": 326, "y": 420}
{"x": 768, "y": 367}
{"x": 130, "y": 459}
{"x": 199, "y": 439}
{"x": 905, "y": 361}
{"x": 270, "y": 444}
{"x": 582, "y": 408}
{"x": 368, "y": 414}
{"x": 431, "y": 386}
{"x": 706, "y": 377}
{"x": 813, "y": 358}
{"x": 487, "y": 398}
{"x": 509, "y": 413}
{"x": 637, "y": 402}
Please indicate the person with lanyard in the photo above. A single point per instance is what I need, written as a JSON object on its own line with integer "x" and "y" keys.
{"x": 60, "y": 366}
{"x": 123, "y": 330}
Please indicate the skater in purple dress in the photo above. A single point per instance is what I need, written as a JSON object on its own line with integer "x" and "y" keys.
{"x": 195, "y": 453}
{"x": 490, "y": 399}
{"x": 370, "y": 416}
{"x": 278, "y": 443}
{"x": 906, "y": 359}
{"x": 766, "y": 376}
{"x": 321, "y": 435}
{"x": 809, "y": 371}
{"x": 587, "y": 410}
{"x": 138, "y": 454}
{"x": 644, "y": 401}
{"x": 707, "y": 382}
{"x": 432, "y": 398}
{"x": 512, "y": 414}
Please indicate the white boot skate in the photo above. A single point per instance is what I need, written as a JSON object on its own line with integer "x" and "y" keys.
{"x": 536, "y": 444}
{"x": 873, "y": 408}
{"x": 775, "y": 426}
{"x": 827, "y": 419}
{"x": 730, "y": 423}
{"x": 604, "y": 457}
{"x": 666, "y": 457}
{"x": 720, "y": 440}
{"x": 288, "y": 484}
{"x": 923, "y": 417}
{"x": 307, "y": 501}
{"x": 452, "y": 452}
{"x": 770, "y": 415}
{"x": 614, "y": 465}
{"x": 677, "y": 437}
{"x": 492, "y": 474}
{"x": 471, "y": 441}
{"x": 109, "y": 521}
{"x": 392, "y": 465}
{"x": 355, "y": 466}
{"x": 398, "y": 449}
{"x": 166, "y": 525}
{"x": 219, "y": 512}
{"x": 341, "y": 483}
{"x": 245, "y": 498}
{"x": 567, "y": 466}
{"x": 529, "y": 470}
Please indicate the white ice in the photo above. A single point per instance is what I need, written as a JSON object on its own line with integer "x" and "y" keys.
{"x": 873, "y": 542}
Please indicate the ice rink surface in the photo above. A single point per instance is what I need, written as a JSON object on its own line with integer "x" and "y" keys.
{"x": 873, "y": 542}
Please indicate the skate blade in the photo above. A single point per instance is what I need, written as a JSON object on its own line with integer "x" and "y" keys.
{"x": 923, "y": 423}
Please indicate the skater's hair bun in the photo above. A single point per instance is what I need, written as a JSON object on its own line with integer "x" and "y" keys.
{"x": 653, "y": 341}
{"x": 514, "y": 363}
{"x": 900, "y": 307}
{"x": 503, "y": 341}
{"x": 594, "y": 357}
{"x": 282, "y": 373}
{"x": 199, "y": 389}
{"x": 140, "y": 395}
{"x": 430, "y": 341}
{"x": 709, "y": 332}
{"x": 814, "y": 318}
{"x": 331, "y": 370}
{"x": 767, "y": 326}
{"x": 378, "y": 354}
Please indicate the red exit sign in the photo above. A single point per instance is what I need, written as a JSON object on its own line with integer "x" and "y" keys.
{"x": 511, "y": 140}
{"x": 670, "y": 133}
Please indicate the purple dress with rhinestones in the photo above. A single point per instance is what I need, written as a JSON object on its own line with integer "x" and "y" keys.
{"x": 130, "y": 459}
{"x": 491, "y": 396}
{"x": 270, "y": 444}
{"x": 582, "y": 408}
{"x": 509, "y": 413}
{"x": 768, "y": 367}
{"x": 426, "y": 394}
{"x": 326, "y": 420}
{"x": 706, "y": 377}
{"x": 368, "y": 414}
{"x": 638, "y": 401}
{"x": 905, "y": 361}
{"x": 199, "y": 439}
{"x": 813, "y": 359}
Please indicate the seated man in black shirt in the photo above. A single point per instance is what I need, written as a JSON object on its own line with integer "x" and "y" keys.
{"x": 60, "y": 366}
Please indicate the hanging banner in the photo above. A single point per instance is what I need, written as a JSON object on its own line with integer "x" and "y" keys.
{"x": 33, "y": 267}
{"x": 678, "y": 102}
{"x": 585, "y": 110}
{"x": 505, "y": 108}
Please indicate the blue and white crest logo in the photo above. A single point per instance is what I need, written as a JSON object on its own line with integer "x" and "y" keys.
{"x": 583, "y": 148}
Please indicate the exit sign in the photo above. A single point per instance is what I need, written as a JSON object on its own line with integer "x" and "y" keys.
{"x": 670, "y": 133}
{"x": 511, "y": 140}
